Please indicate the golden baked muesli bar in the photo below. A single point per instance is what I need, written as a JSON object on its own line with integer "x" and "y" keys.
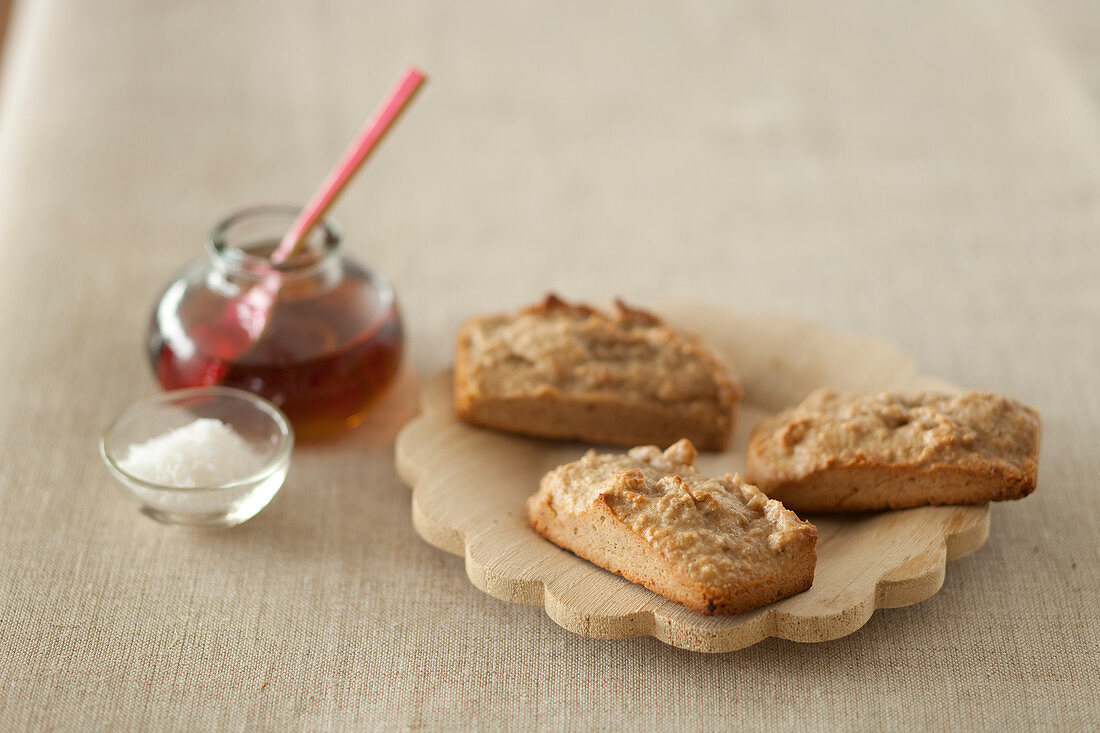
{"x": 716, "y": 545}
{"x": 569, "y": 371}
{"x": 837, "y": 452}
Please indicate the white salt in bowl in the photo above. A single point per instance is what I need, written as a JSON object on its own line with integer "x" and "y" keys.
{"x": 200, "y": 474}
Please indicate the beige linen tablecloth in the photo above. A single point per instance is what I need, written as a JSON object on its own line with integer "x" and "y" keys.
{"x": 928, "y": 173}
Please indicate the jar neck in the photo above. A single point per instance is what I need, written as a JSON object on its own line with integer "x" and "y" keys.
{"x": 241, "y": 245}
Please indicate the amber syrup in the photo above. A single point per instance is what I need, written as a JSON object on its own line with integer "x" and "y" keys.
{"x": 324, "y": 359}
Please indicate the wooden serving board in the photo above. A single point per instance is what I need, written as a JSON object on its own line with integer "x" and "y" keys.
{"x": 469, "y": 486}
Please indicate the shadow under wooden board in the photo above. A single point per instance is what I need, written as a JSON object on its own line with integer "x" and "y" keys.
{"x": 469, "y": 487}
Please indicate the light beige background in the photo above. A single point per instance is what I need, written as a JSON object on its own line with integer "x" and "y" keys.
{"x": 928, "y": 173}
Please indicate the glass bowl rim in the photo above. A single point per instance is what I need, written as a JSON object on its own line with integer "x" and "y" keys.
{"x": 269, "y": 468}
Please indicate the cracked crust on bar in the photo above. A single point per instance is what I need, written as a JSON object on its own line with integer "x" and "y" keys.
{"x": 716, "y": 545}
{"x": 561, "y": 370}
{"x": 836, "y": 452}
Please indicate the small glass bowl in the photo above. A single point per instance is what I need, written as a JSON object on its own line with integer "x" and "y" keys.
{"x": 258, "y": 421}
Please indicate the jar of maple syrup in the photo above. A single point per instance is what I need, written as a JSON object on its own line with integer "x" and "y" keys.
{"x": 323, "y": 344}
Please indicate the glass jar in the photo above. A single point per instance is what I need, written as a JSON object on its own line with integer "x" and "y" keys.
{"x": 330, "y": 341}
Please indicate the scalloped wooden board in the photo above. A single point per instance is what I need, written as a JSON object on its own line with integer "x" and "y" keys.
{"x": 469, "y": 486}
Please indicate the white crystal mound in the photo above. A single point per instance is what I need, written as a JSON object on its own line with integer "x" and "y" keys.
{"x": 206, "y": 452}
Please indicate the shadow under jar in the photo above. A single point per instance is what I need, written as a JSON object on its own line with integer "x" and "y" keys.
{"x": 332, "y": 342}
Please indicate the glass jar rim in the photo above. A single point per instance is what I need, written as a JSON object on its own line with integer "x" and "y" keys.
{"x": 220, "y": 249}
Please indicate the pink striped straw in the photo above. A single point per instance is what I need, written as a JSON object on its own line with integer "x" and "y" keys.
{"x": 249, "y": 312}
{"x": 365, "y": 142}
